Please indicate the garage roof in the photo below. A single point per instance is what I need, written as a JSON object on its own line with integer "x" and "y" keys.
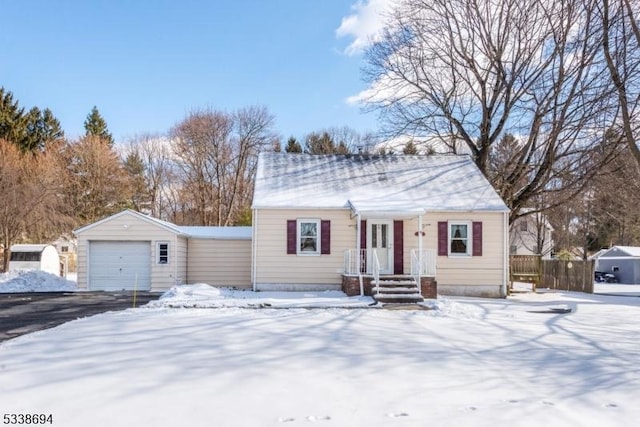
{"x": 197, "y": 232}
{"x": 222, "y": 233}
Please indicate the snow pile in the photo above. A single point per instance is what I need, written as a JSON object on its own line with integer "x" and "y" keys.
{"x": 201, "y": 295}
{"x": 34, "y": 281}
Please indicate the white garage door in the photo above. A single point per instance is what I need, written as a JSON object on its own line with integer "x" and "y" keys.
{"x": 115, "y": 266}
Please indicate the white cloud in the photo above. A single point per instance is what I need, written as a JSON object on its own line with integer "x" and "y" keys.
{"x": 365, "y": 24}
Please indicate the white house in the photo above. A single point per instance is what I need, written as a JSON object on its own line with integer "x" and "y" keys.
{"x": 356, "y": 222}
{"x": 531, "y": 235}
{"x": 329, "y": 222}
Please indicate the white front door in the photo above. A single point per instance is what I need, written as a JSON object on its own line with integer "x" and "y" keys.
{"x": 380, "y": 240}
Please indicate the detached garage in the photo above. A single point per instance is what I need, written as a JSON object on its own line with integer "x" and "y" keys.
{"x": 133, "y": 251}
{"x": 623, "y": 261}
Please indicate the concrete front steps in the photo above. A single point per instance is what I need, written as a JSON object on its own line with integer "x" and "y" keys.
{"x": 396, "y": 289}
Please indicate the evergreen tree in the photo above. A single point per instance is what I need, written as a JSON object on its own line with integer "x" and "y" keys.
{"x": 95, "y": 125}
{"x": 12, "y": 118}
{"x": 41, "y": 128}
{"x": 31, "y": 131}
{"x": 342, "y": 148}
{"x": 320, "y": 143}
{"x": 134, "y": 166}
{"x": 293, "y": 146}
{"x": 410, "y": 148}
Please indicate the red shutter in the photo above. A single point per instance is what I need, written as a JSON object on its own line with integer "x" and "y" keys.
{"x": 398, "y": 247}
{"x": 325, "y": 237}
{"x": 443, "y": 238}
{"x": 292, "y": 226}
{"x": 477, "y": 238}
{"x": 363, "y": 244}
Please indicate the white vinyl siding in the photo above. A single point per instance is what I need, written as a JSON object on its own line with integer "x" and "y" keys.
{"x": 274, "y": 266}
{"x": 220, "y": 262}
{"x": 464, "y": 271}
{"x": 128, "y": 227}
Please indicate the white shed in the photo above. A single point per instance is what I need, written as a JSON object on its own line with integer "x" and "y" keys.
{"x": 35, "y": 257}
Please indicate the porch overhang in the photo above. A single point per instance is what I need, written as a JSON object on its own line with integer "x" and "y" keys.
{"x": 384, "y": 209}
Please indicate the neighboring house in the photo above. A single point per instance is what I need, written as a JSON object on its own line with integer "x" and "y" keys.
{"x": 67, "y": 250}
{"x": 130, "y": 250}
{"x": 531, "y": 235}
{"x": 623, "y": 261}
{"x": 318, "y": 220}
{"x": 35, "y": 257}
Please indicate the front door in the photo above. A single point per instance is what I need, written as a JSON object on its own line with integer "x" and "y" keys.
{"x": 380, "y": 240}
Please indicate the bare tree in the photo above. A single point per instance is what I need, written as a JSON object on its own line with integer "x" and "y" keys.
{"x": 474, "y": 70}
{"x": 156, "y": 155}
{"x": 621, "y": 49}
{"x": 216, "y": 154}
{"x": 29, "y": 189}
{"x": 95, "y": 182}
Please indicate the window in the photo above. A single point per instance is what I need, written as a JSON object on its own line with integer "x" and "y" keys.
{"x": 308, "y": 236}
{"x": 64, "y": 249}
{"x": 163, "y": 253}
{"x": 459, "y": 243}
{"x": 25, "y": 256}
{"x": 513, "y": 249}
{"x": 524, "y": 226}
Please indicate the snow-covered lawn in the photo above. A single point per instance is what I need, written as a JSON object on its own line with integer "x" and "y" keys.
{"x": 465, "y": 362}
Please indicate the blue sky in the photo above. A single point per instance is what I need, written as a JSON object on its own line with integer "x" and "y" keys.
{"x": 146, "y": 64}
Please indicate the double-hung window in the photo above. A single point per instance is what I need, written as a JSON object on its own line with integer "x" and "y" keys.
{"x": 308, "y": 242}
{"x": 459, "y": 242}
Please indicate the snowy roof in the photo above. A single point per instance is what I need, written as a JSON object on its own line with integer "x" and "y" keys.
{"x": 164, "y": 224}
{"x": 222, "y": 233}
{"x": 373, "y": 183}
{"x": 618, "y": 251}
{"x": 28, "y": 248}
{"x": 202, "y": 232}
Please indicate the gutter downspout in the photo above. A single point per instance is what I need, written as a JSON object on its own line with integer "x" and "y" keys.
{"x": 254, "y": 252}
{"x": 358, "y": 250}
{"x": 420, "y": 254}
{"x": 505, "y": 269}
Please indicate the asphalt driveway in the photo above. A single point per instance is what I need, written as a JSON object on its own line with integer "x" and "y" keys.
{"x": 23, "y": 313}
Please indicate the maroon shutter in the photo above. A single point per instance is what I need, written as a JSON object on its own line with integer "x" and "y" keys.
{"x": 363, "y": 244}
{"x": 443, "y": 238}
{"x": 325, "y": 237}
{"x": 477, "y": 238}
{"x": 291, "y": 236}
{"x": 398, "y": 247}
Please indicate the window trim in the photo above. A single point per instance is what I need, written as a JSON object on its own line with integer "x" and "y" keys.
{"x": 159, "y": 256}
{"x": 318, "y": 238}
{"x": 469, "y": 239}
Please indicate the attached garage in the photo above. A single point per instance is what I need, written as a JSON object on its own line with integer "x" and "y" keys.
{"x": 130, "y": 250}
{"x": 117, "y": 265}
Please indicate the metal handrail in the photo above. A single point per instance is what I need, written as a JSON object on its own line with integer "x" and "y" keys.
{"x": 351, "y": 261}
{"x": 375, "y": 269}
{"x": 423, "y": 263}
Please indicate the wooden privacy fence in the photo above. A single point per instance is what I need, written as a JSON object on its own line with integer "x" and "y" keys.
{"x": 574, "y": 276}
{"x": 525, "y": 268}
